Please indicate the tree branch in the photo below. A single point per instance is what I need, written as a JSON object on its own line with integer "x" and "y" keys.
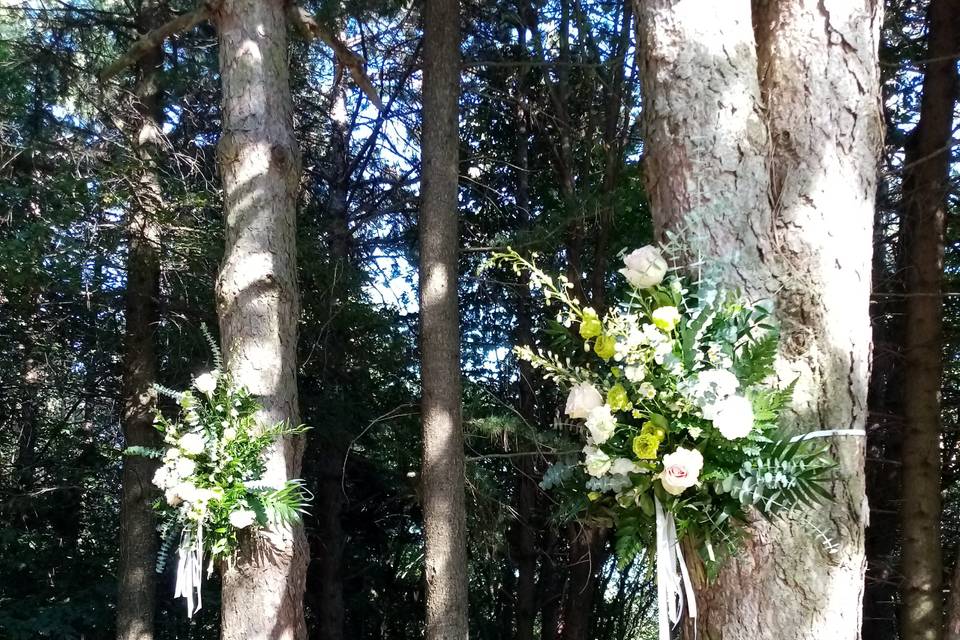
{"x": 311, "y": 29}
{"x": 155, "y": 38}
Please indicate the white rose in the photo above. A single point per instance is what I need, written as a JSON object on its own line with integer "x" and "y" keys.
{"x": 635, "y": 373}
{"x": 582, "y": 399}
{"x": 601, "y": 424}
{"x": 203, "y": 496}
{"x": 645, "y": 267}
{"x": 623, "y": 466}
{"x": 681, "y": 469}
{"x": 185, "y": 467}
{"x": 206, "y": 383}
{"x": 173, "y": 499}
{"x": 229, "y": 434}
{"x": 191, "y": 444}
{"x": 242, "y": 518}
{"x": 186, "y": 491}
{"x": 596, "y": 461}
{"x": 733, "y": 417}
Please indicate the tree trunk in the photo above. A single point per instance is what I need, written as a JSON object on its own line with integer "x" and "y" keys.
{"x": 331, "y": 447}
{"x": 443, "y": 465}
{"x": 257, "y": 297}
{"x": 138, "y": 538}
{"x": 524, "y": 549}
{"x": 951, "y": 630}
{"x": 925, "y": 184}
{"x": 587, "y": 556}
{"x": 763, "y": 123}
{"x": 550, "y": 587}
{"x": 884, "y": 436}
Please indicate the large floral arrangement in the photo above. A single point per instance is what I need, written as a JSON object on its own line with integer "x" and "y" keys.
{"x": 211, "y": 476}
{"x": 673, "y": 393}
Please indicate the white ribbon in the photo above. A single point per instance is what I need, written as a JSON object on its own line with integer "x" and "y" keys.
{"x": 826, "y": 433}
{"x": 671, "y": 583}
{"x": 190, "y": 570}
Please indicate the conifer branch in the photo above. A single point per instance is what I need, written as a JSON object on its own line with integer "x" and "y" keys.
{"x": 311, "y": 29}
{"x": 155, "y": 37}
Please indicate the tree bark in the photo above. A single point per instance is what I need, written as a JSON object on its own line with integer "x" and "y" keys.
{"x": 550, "y": 587}
{"x": 524, "y": 538}
{"x": 951, "y": 630}
{"x": 331, "y": 447}
{"x": 884, "y": 436}
{"x": 763, "y": 123}
{"x": 138, "y": 537}
{"x": 443, "y": 463}
{"x": 257, "y": 296}
{"x": 587, "y": 556}
{"x": 925, "y": 184}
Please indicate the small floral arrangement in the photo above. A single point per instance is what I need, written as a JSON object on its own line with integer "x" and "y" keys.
{"x": 674, "y": 396}
{"x": 211, "y": 475}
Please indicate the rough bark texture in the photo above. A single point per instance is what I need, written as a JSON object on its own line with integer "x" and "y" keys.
{"x": 763, "y": 129}
{"x": 925, "y": 184}
{"x": 138, "y": 538}
{"x": 443, "y": 464}
{"x": 257, "y": 297}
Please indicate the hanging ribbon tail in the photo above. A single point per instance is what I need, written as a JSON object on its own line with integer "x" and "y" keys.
{"x": 190, "y": 570}
{"x": 826, "y": 433}
{"x": 673, "y": 584}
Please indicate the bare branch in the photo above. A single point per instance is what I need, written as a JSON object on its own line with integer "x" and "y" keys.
{"x": 311, "y": 29}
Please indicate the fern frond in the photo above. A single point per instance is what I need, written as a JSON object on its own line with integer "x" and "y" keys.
{"x": 756, "y": 358}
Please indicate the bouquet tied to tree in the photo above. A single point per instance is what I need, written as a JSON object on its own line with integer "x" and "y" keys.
{"x": 675, "y": 398}
{"x": 212, "y": 476}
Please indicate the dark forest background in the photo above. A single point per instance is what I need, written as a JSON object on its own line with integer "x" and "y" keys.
{"x": 550, "y": 154}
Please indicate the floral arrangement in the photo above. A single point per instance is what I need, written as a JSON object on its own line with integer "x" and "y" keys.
{"x": 211, "y": 475}
{"x": 673, "y": 393}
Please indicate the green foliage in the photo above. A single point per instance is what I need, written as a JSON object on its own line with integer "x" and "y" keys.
{"x": 678, "y": 407}
{"x": 212, "y": 470}
{"x": 144, "y": 452}
{"x": 756, "y": 358}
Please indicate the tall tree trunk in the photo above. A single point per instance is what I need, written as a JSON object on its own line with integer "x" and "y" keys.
{"x": 587, "y": 556}
{"x": 257, "y": 296}
{"x": 550, "y": 588}
{"x": 524, "y": 549}
{"x": 443, "y": 465}
{"x": 138, "y": 538}
{"x": 925, "y": 184}
{"x": 755, "y": 142}
{"x": 331, "y": 448}
{"x": 884, "y": 436}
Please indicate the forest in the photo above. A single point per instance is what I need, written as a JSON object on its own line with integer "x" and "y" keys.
{"x": 515, "y": 320}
